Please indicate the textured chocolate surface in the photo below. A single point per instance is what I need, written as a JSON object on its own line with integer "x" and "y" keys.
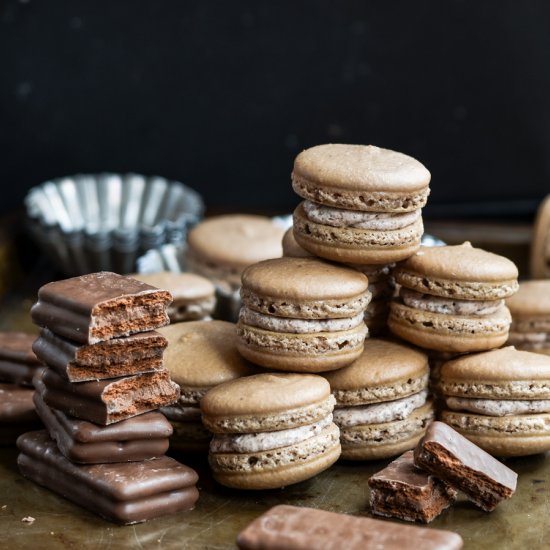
{"x": 128, "y": 492}
{"x": 453, "y": 458}
{"x": 16, "y": 405}
{"x": 18, "y": 363}
{"x": 100, "y": 306}
{"x": 295, "y": 528}
{"x": 403, "y": 491}
{"x": 134, "y": 354}
{"x": 107, "y": 401}
{"x": 139, "y": 438}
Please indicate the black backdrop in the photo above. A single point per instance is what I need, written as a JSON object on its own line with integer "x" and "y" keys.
{"x": 223, "y": 95}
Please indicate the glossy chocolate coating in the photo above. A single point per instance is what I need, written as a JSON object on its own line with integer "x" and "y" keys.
{"x": 18, "y": 363}
{"x": 125, "y": 492}
{"x": 100, "y": 306}
{"x": 295, "y": 528}
{"x": 133, "y": 354}
{"x": 16, "y": 405}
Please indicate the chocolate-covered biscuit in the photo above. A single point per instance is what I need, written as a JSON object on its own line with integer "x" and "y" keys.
{"x": 141, "y": 437}
{"x": 133, "y": 354}
{"x": 125, "y": 492}
{"x": 100, "y": 306}
{"x": 453, "y": 458}
{"x": 107, "y": 401}
{"x": 17, "y": 413}
{"x": 401, "y": 490}
{"x": 294, "y": 528}
{"x": 18, "y": 363}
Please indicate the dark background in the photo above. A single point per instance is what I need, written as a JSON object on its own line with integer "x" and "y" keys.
{"x": 223, "y": 95}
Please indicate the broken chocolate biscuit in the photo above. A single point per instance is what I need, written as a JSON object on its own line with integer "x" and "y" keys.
{"x": 100, "y": 306}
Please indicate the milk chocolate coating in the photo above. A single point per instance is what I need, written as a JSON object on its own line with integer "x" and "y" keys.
{"x": 402, "y": 490}
{"x": 18, "y": 363}
{"x": 100, "y": 306}
{"x": 139, "y": 438}
{"x": 107, "y": 401}
{"x": 294, "y": 528}
{"x": 125, "y": 492}
{"x": 453, "y": 458}
{"x": 134, "y": 354}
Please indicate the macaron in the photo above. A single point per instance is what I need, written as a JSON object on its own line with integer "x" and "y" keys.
{"x": 200, "y": 355}
{"x": 302, "y": 314}
{"x": 452, "y": 299}
{"x": 221, "y": 247}
{"x": 530, "y": 309}
{"x": 271, "y": 430}
{"x": 362, "y": 203}
{"x": 382, "y": 404}
{"x": 291, "y": 249}
{"x": 540, "y": 245}
{"x": 194, "y": 295}
{"x": 499, "y": 400}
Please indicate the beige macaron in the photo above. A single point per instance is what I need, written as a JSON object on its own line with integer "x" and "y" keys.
{"x": 271, "y": 430}
{"x": 362, "y": 203}
{"x": 530, "y": 309}
{"x": 451, "y": 299}
{"x": 221, "y": 247}
{"x": 200, "y": 355}
{"x": 500, "y": 400}
{"x": 540, "y": 245}
{"x": 302, "y": 314}
{"x": 382, "y": 404}
{"x": 194, "y": 295}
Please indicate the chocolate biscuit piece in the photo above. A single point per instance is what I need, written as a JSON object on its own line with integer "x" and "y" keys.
{"x": 133, "y": 354}
{"x": 125, "y": 492}
{"x": 294, "y": 528}
{"x": 17, "y": 413}
{"x": 401, "y": 490}
{"x": 100, "y": 306}
{"x": 18, "y": 363}
{"x": 453, "y": 458}
{"x": 107, "y": 401}
{"x": 141, "y": 437}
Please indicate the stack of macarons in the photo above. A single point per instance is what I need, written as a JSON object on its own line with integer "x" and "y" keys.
{"x": 452, "y": 299}
{"x": 530, "y": 309}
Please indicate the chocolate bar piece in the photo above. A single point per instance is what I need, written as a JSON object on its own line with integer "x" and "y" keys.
{"x": 17, "y": 413}
{"x": 133, "y": 354}
{"x": 141, "y": 437}
{"x": 401, "y": 490}
{"x": 125, "y": 492}
{"x": 107, "y": 401}
{"x": 18, "y": 363}
{"x": 294, "y": 528}
{"x": 453, "y": 458}
{"x": 100, "y": 306}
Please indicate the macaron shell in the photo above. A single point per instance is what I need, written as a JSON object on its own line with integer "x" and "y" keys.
{"x": 278, "y": 467}
{"x": 506, "y": 436}
{"x": 203, "y": 353}
{"x": 352, "y": 245}
{"x": 540, "y": 245}
{"x": 182, "y": 286}
{"x": 377, "y": 441}
{"x": 291, "y": 248}
{"x": 286, "y": 351}
{"x": 359, "y": 168}
{"x": 531, "y": 301}
{"x": 452, "y": 333}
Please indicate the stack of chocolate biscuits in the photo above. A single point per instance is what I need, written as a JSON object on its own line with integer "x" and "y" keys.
{"x": 105, "y": 443}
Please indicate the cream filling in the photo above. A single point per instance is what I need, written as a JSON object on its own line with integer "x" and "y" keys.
{"x": 297, "y": 326}
{"x": 497, "y": 407}
{"x": 265, "y": 441}
{"x": 379, "y": 221}
{"x": 449, "y": 306}
{"x": 378, "y": 413}
{"x": 528, "y": 337}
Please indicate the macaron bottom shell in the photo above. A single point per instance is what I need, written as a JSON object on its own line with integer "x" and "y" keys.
{"x": 387, "y": 439}
{"x": 276, "y": 468}
{"x": 504, "y": 436}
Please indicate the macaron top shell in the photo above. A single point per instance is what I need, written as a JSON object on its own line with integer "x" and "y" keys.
{"x": 265, "y": 394}
{"x": 360, "y": 168}
{"x": 236, "y": 240}
{"x": 303, "y": 279}
{"x": 460, "y": 264}
{"x": 291, "y": 248}
{"x": 531, "y": 300}
{"x": 382, "y": 363}
{"x": 187, "y": 286}
{"x": 203, "y": 354}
